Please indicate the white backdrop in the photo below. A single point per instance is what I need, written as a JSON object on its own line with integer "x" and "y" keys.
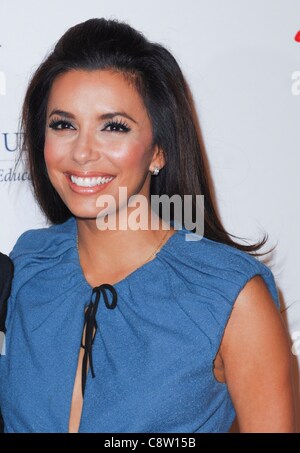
{"x": 243, "y": 66}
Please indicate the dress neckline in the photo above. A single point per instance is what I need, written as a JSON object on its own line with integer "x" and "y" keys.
{"x": 148, "y": 265}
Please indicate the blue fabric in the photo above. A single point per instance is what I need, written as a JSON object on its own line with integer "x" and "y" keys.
{"x": 153, "y": 354}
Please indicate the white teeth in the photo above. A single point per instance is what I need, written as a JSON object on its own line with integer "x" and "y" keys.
{"x": 89, "y": 182}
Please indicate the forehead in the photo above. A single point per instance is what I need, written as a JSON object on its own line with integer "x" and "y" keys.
{"x": 103, "y": 89}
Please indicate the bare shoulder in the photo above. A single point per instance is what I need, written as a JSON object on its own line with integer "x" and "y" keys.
{"x": 256, "y": 356}
{"x": 254, "y": 310}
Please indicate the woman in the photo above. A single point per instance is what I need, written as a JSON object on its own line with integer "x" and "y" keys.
{"x": 119, "y": 329}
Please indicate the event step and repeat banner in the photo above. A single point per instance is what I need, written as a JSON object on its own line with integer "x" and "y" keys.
{"x": 241, "y": 59}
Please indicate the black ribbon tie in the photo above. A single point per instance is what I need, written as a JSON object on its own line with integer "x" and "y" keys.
{"x": 90, "y": 326}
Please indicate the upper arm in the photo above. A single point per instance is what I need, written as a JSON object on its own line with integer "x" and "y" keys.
{"x": 257, "y": 361}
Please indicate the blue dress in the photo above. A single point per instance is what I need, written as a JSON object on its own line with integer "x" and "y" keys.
{"x": 153, "y": 354}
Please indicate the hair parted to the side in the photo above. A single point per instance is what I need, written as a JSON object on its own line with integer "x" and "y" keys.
{"x": 109, "y": 44}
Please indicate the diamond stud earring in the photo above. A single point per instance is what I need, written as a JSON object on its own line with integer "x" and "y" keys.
{"x": 155, "y": 171}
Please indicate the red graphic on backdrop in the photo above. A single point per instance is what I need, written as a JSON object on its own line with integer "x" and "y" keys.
{"x": 297, "y": 36}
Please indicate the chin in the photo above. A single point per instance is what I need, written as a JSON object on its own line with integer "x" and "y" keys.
{"x": 84, "y": 215}
{"x": 83, "y": 212}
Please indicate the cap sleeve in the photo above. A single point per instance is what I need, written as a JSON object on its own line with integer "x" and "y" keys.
{"x": 236, "y": 268}
{"x": 39, "y": 249}
{"x": 209, "y": 277}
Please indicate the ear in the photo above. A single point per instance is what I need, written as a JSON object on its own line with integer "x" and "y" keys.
{"x": 158, "y": 159}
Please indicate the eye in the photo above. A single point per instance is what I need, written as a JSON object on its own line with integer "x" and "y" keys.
{"x": 59, "y": 124}
{"x": 116, "y": 126}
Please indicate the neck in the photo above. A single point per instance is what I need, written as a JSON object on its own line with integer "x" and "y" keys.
{"x": 114, "y": 253}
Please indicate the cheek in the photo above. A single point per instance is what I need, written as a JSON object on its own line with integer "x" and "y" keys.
{"x": 133, "y": 156}
{"x": 53, "y": 153}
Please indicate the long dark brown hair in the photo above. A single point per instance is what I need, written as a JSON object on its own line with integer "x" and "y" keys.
{"x": 109, "y": 44}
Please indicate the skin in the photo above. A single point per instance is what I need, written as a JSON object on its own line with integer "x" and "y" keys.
{"x": 257, "y": 372}
{"x": 255, "y": 361}
{"x": 87, "y": 145}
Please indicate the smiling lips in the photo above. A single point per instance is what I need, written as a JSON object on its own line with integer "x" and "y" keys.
{"x": 88, "y": 183}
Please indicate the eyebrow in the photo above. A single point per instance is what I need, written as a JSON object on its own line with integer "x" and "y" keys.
{"x": 104, "y": 116}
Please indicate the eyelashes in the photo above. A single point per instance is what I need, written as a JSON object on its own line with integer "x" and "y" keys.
{"x": 59, "y": 124}
{"x": 116, "y": 126}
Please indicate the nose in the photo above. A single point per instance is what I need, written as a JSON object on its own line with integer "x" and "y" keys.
{"x": 85, "y": 148}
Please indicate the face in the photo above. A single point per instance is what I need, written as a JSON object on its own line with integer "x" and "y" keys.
{"x": 98, "y": 138}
